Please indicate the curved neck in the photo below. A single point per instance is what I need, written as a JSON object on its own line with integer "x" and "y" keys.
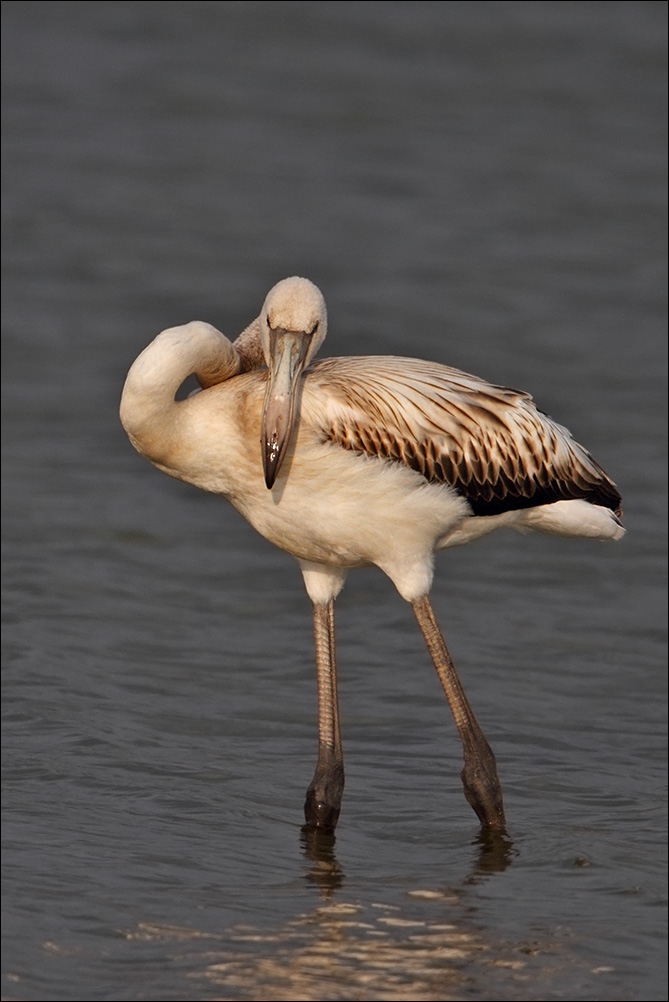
{"x": 149, "y": 412}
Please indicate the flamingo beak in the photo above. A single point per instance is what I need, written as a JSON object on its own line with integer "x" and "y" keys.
{"x": 288, "y": 354}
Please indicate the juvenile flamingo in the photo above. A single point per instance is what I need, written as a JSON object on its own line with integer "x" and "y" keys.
{"x": 357, "y": 461}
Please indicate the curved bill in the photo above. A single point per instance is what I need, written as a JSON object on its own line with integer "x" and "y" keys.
{"x": 289, "y": 351}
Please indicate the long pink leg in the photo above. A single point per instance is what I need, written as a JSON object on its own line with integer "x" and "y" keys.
{"x": 479, "y": 776}
{"x": 321, "y": 808}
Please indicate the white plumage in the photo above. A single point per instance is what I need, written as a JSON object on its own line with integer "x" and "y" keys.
{"x": 357, "y": 461}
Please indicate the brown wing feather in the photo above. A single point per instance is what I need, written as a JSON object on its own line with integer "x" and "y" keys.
{"x": 488, "y": 442}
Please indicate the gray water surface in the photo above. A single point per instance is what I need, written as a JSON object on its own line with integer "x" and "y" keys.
{"x": 477, "y": 183}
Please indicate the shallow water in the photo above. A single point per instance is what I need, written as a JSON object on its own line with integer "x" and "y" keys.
{"x": 477, "y": 183}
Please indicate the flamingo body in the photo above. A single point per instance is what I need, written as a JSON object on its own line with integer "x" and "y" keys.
{"x": 367, "y": 461}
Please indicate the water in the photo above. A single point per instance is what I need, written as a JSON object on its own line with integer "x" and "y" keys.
{"x": 478, "y": 183}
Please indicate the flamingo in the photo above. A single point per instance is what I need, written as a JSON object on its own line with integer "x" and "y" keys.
{"x": 358, "y": 461}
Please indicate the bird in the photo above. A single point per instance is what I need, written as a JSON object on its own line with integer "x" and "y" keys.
{"x": 358, "y": 461}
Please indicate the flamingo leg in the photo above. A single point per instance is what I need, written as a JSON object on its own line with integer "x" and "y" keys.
{"x": 479, "y": 776}
{"x": 321, "y": 808}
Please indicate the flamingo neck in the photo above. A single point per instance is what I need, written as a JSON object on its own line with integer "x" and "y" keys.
{"x": 149, "y": 411}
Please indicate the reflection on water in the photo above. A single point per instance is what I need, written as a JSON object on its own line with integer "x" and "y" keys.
{"x": 347, "y": 950}
{"x": 319, "y": 847}
{"x": 376, "y": 951}
{"x": 495, "y": 854}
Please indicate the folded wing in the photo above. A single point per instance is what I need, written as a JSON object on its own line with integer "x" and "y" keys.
{"x": 489, "y": 443}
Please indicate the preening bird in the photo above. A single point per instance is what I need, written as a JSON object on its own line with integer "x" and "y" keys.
{"x": 357, "y": 461}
